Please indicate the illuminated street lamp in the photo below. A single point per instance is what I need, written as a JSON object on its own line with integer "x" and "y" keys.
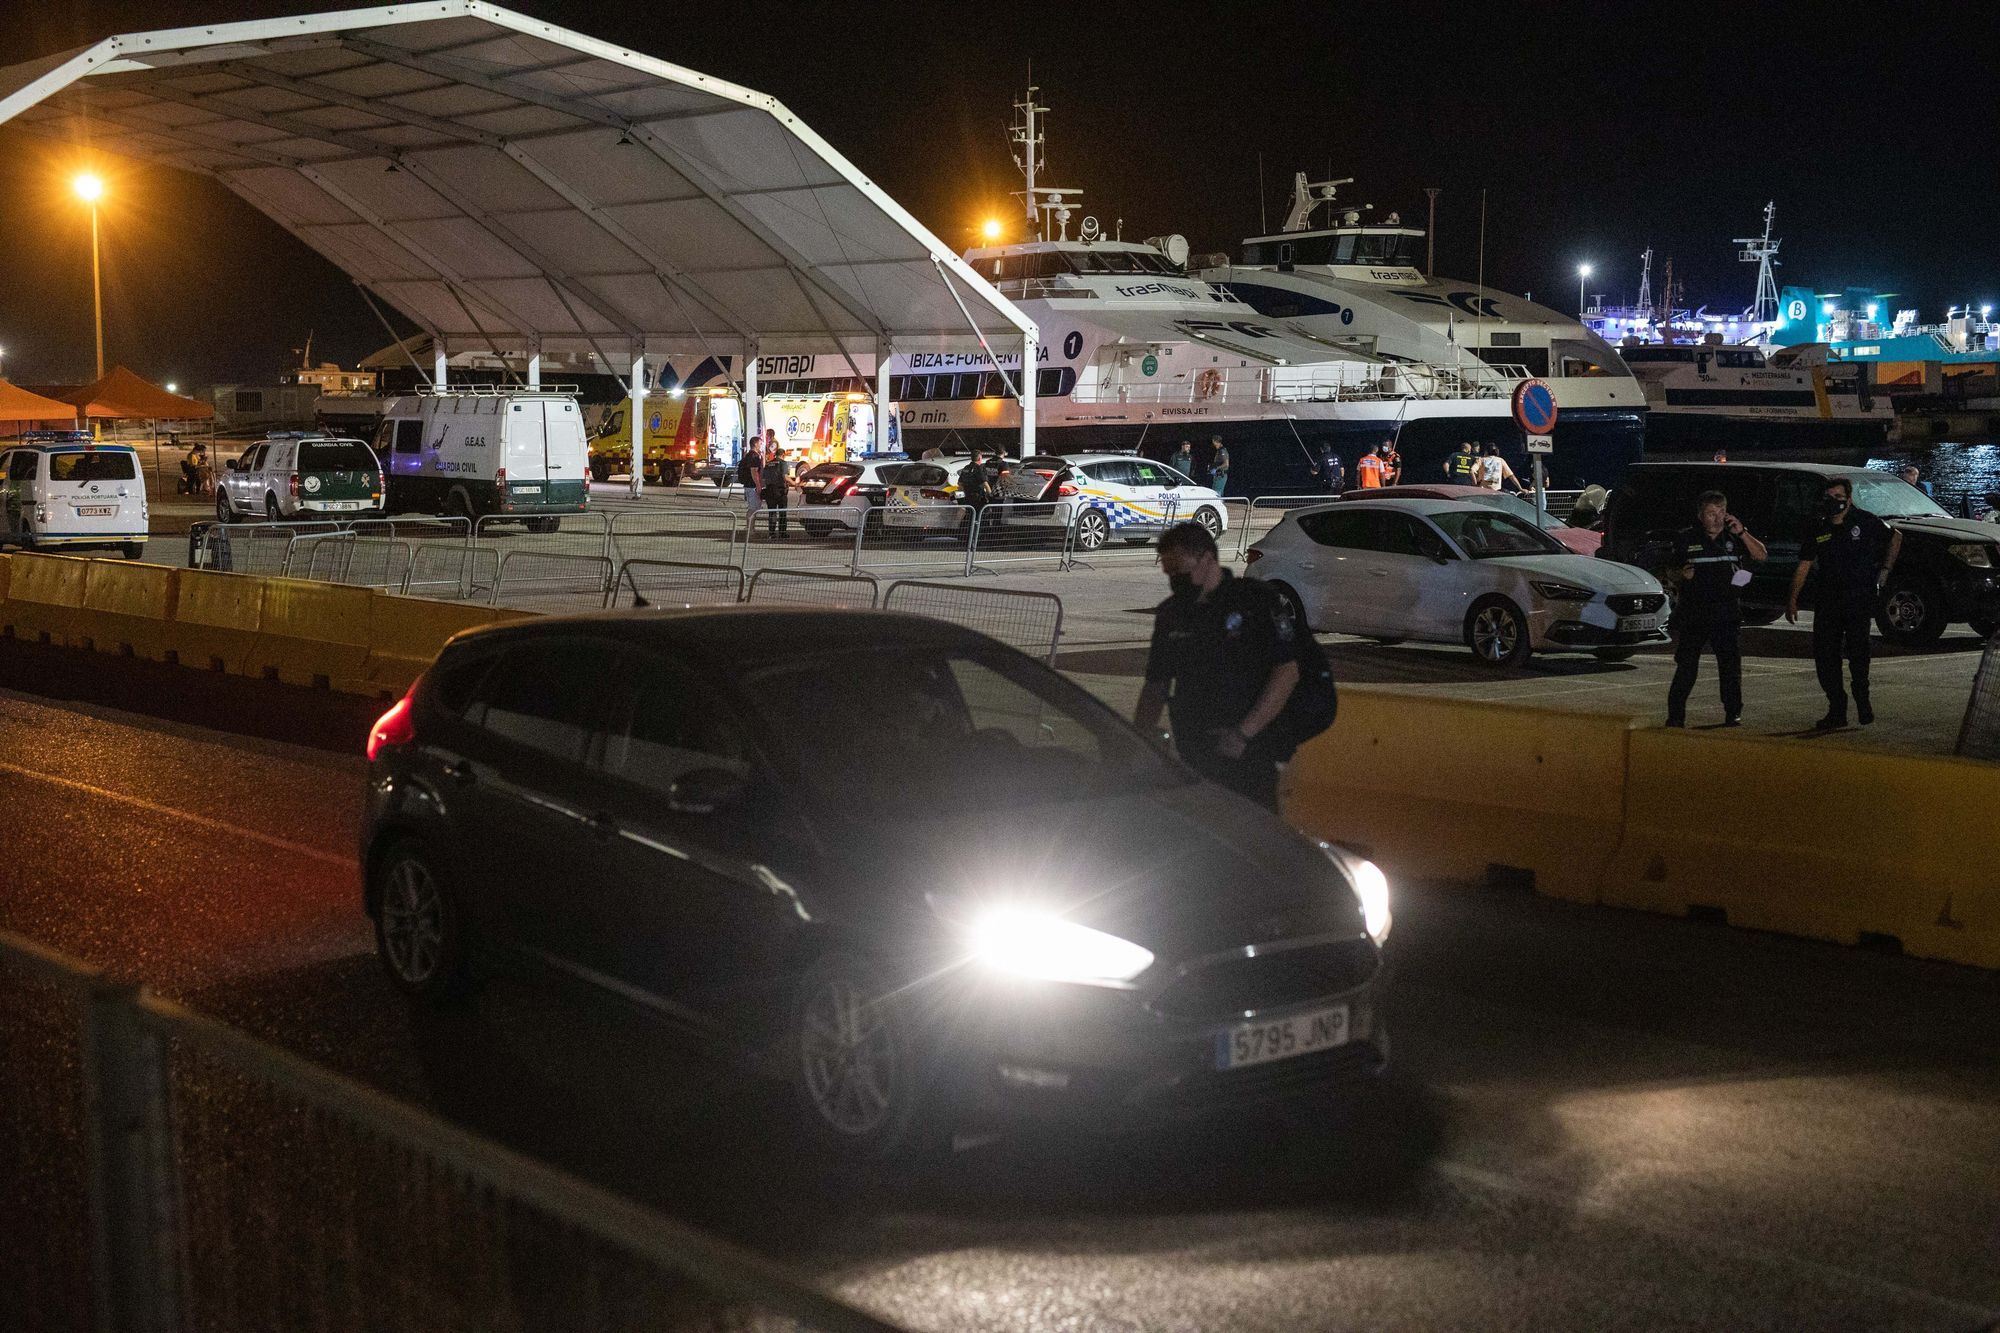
{"x": 90, "y": 188}
{"x": 1582, "y": 274}
{"x": 991, "y": 229}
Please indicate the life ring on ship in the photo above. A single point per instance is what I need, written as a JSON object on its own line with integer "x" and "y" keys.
{"x": 1208, "y": 383}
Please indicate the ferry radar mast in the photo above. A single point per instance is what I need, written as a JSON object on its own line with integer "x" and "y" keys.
{"x": 1309, "y": 195}
{"x": 1643, "y": 309}
{"x": 1763, "y": 252}
{"x": 1044, "y": 204}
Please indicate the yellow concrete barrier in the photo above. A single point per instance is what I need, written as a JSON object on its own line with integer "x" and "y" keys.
{"x": 405, "y": 634}
{"x": 45, "y": 598}
{"x": 1814, "y": 840}
{"x": 5, "y": 567}
{"x": 215, "y": 618}
{"x": 312, "y": 634}
{"x": 1453, "y": 788}
{"x": 130, "y": 608}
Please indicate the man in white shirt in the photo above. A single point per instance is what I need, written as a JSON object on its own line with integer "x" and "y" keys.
{"x": 1493, "y": 470}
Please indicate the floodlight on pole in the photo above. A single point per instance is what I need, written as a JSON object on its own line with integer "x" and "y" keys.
{"x": 991, "y": 229}
{"x": 1582, "y": 274}
{"x": 89, "y": 187}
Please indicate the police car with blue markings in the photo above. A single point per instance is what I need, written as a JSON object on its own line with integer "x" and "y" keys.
{"x": 1124, "y": 496}
{"x": 63, "y": 490}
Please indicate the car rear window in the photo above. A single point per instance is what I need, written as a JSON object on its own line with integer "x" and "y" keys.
{"x": 913, "y": 474}
{"x": 832, "y": 470}
{"x": 96, "y": 465}
{"x": 336, "y": 456}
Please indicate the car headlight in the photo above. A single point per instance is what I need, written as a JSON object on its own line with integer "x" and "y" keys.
{"x": 1976, "y": 554}
{"x": 1030, "y": 942}
{"x": 1371, "y": 891}
{"x": 1561, "y": 592}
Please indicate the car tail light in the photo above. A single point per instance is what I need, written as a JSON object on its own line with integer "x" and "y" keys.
{"x": 1254, "y": 556}
{"x": 1065, "y": 489}
{"x": 841, "y": 487}
{"x": 395, "y": 727}
{"x": 295, "y": 485}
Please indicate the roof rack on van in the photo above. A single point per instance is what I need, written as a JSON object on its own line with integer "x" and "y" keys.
{"x": 488, "y": 390}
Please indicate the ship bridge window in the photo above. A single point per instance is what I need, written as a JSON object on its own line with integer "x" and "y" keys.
{"x": 1387, "y": 249}
{"x": 1120, "y": 261}
{"x": 1086, "y": 261}
{"x": 1643, "y": 355}
{"x": 1739, "y": 359}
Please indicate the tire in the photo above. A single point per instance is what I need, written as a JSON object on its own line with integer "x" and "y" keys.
{"x": 133, "y": 550}
{"x": 271, "y": 511}
{"x": 1093, "y": 530}
{"x": 1912, "y": 612}
{"x": 1210, "y": 520}
{"x": 458, "y": 504}
{"x": 1497, "y": 634}
{"x": 600, "y": 470}
{"x": 223, "y": 513}
{"x": 670, "y": 474}
{"x": 857, "y": 1067}
{"x": 816, "y": 529}
{"x": 420, "y": 934}
{"x": 1294, "y": 601}
{"x": 542, "y": 524}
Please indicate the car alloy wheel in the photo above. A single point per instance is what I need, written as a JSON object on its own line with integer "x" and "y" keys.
{"x": 1497, "y": 633}
{"x": 413, "y": 923}
{"x": 1208, "y": 520}
{"x": 850, "y": 1059}
{"x": 1092, "y": 530}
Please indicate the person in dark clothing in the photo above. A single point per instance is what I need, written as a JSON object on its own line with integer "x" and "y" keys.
{"x": 777, "y": 494}
{"x": 1848, "y": 554}
{"x": 1223, "y": 663}
{"x": 1715, "y": 556}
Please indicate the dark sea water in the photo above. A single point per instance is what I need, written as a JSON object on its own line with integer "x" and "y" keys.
{"x": 1956, "y": 471}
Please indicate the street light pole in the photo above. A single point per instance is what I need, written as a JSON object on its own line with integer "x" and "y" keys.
{"x": 1582, "y": 275}
{"x": 96, "y": 290}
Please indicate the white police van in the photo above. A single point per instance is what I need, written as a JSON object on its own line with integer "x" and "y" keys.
{"x": 62, "y": 490}
{"x": 485, "y": 450}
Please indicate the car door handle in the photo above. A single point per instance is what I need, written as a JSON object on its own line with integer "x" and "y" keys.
{"x": 1378, "y": 573}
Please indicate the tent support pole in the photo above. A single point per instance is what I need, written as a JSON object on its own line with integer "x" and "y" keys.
{"x": 753, "y": 403}
{"x": 638, "y": 420}
{"x": 1030, "y": 373}
{"x": 883, "y": 352}
{"x": 535, "y": 366}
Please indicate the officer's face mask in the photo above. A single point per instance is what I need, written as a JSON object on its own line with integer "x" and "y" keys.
{"x": 1836, "y": 505}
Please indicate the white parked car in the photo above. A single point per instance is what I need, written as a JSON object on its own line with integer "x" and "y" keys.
{"x": 1445, "y": 572}
{"x": 1126, "y": 496}
{"x": 294, "y": 476}
{"x": 891, "y": 489}
{"x": 63, "y": 491}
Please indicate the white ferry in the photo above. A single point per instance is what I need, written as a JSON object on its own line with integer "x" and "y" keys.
{"x": 1714, "y": 395}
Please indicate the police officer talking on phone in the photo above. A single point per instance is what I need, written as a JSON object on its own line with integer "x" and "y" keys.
{"x": 1225, "y": 662}
{"x": 1851, "y": 552}
{"x": 1715, "y": 558}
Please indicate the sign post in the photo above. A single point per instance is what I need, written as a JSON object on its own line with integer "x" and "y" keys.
{"x": 1535, "y": 414}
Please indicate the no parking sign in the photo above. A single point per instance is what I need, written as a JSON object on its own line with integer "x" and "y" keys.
{"x": 1535, "y": 407}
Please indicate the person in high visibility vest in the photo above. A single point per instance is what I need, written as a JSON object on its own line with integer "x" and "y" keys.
{"x": 1369, "y": 471}
{"x": 1392, "y": 464}
{"x": 1462, "y": 468}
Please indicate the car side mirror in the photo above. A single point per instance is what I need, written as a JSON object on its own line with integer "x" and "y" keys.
{"x": 234, "y": 465}
{"x": 703, "y": 791}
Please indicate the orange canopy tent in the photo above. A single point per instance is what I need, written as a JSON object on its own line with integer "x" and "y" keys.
{"x": 22, "y": 407}
{"x": 123, "y": 396}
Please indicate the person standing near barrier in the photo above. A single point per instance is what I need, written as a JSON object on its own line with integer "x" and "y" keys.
{"x": 1392, "y": 463}
{"x": 1851, "y": 552}
{"x": 1462, "y": 468}
{"x": 750, "y": 476}
{"x": 1223, "y": 664}
{"x": 1218, "y": 467}
{"x": 1183, "y": 460}
{"x": 777, "y": 492}
{"x": 975, "y": 487}
{"x": 1716, "y": 555}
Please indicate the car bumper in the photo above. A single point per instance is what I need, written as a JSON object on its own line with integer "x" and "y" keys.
{"x": 1104, "y": 1059}
{"x": 1594, "y": 625}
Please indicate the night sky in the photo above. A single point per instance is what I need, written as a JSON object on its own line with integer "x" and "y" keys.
{"x": 1596, "y": 130}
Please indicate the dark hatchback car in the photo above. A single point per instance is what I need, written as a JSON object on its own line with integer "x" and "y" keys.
{"x": 918, "y": 876}
{"x": 1948, "y": 571}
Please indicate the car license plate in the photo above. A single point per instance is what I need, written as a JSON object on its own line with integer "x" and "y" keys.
{"x": 526, "y": 490}
{"x": 1281, "y": 1038}
{"x": 337, "y": 504}
{"x": 96, "y": 511}
{"x": 1638, "y": 624}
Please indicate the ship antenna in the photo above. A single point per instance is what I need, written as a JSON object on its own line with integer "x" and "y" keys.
{"x": 1027, "y": 137}
{"x": 1644, "y": 309}
{"x": 1263, "y": 200}
{"x": 1763, "y": 252}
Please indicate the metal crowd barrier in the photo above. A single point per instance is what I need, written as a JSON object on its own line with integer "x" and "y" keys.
{"x": 931, "y": 538}
{"x": 539, "y": 580}
{"x": 1266, "y": 512}
{"x": 708, "y": 534}
{"x": 1013, "y": 535}
{"x": 813, "y": 587}
{"x": 585, "y": 534}
{"x": 1979, "y": 732}
{"x": 1029, "y": 621}
{"x": 166, "y": 1171}
{"x": 675, "y": 583}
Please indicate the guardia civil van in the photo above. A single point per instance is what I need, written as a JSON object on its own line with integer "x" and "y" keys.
{"x": 485, "y": 450}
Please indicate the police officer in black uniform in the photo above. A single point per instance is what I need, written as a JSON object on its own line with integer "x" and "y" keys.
{"x": 1851, "y": 551}
{"x": 1224, "y": 662}
{"x": 1715, "y": 556}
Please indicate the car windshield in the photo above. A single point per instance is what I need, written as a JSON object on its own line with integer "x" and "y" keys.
{"x": 1892, "y": 497}
{"x": 913, "y": 474}
{"x": 1515, "y": 505}
{"x": 96, "y": 465}
{"x": 336, "y": 456}
{"x": 948, "y": 727}
{"x": 1484, "y": 535}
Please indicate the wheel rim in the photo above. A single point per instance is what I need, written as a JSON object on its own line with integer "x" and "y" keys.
{"x": 1208, "y": 520}
{"x": 412, "y": 922}
{"x": 1091, "y": 531}
{"x": 1904, "y": 610}
{"x": 849, "y": 1058}
{"x": 1494, "y": 634}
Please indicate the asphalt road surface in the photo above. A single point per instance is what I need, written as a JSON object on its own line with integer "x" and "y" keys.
{"x": 1600, "y": 1120}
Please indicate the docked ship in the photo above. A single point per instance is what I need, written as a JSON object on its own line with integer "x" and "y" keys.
{"x": 1138, "y": 353}
{"x": 1350, "y": 281}
{"x": 1713, "y": 395}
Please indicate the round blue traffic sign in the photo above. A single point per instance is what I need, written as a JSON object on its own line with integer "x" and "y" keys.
{"x": 1535, "y": 407}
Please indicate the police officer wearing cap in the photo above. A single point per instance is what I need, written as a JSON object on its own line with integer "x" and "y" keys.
{"x": 1715, "y": 555}
{"x": 1849, "y": 553}
{"x": 1224, "y": 662}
